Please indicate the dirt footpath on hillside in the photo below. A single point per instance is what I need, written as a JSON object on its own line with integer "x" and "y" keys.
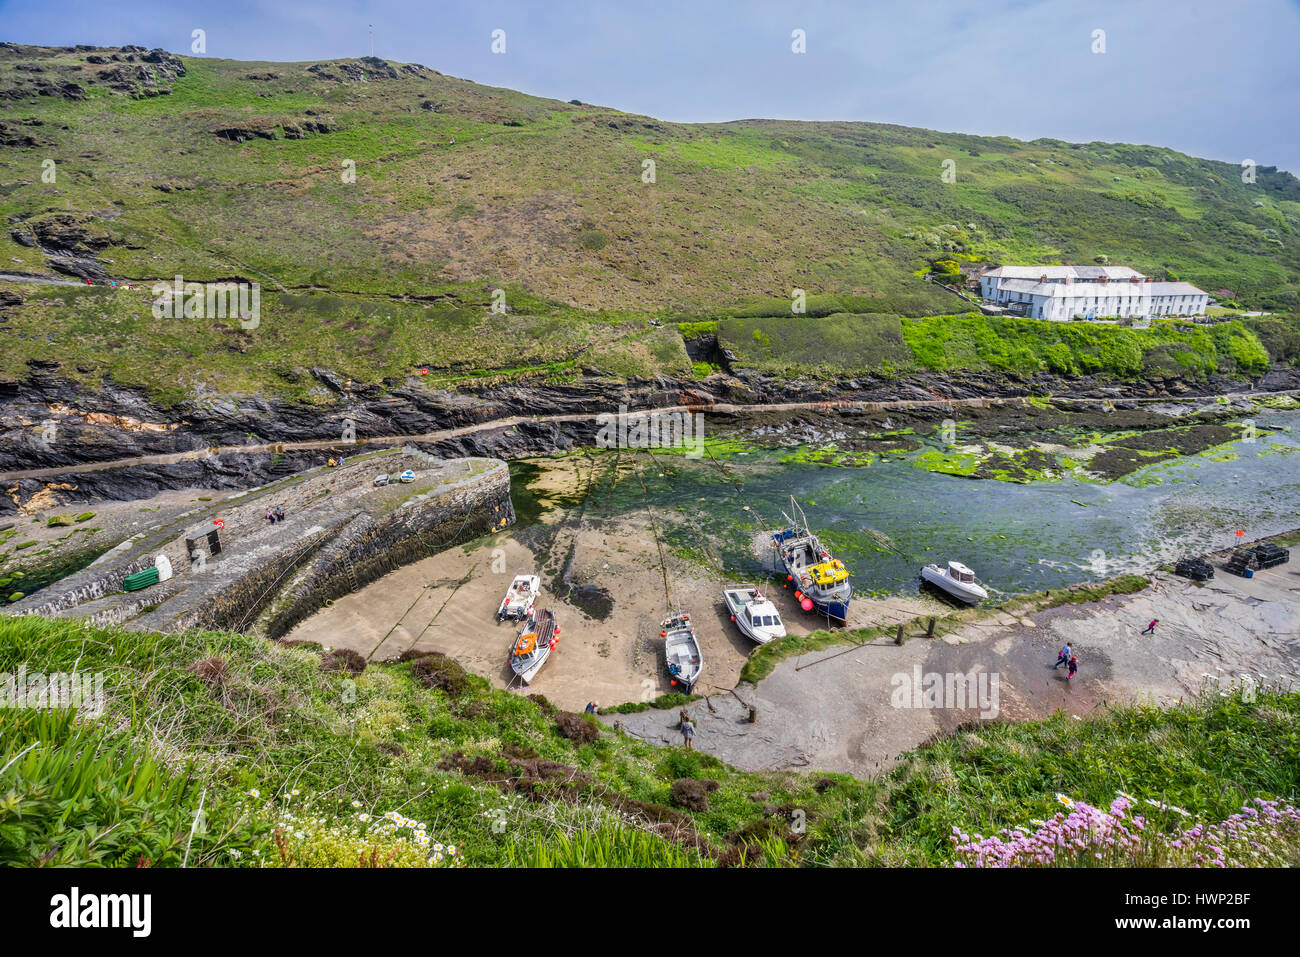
{"x": 854, "y": 712}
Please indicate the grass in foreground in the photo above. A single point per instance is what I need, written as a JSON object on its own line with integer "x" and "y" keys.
{"x": 220, "y": 750}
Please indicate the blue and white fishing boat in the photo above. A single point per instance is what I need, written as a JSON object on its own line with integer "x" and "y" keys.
{"x": 820, "y": 580}
{"x": 681, "y": 652}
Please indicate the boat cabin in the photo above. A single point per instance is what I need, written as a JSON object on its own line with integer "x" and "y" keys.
{"x": 762, "y": 616}
{"x": 959, "y": 572}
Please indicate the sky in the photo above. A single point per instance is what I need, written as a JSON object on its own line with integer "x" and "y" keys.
{"x": 1214, "y": 79}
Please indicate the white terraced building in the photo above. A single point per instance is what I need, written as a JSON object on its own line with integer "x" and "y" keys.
{"x": 1088, "y": 292}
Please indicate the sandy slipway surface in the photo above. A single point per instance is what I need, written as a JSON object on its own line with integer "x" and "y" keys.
{"x": 448, "y": 603}
{"x": 835, "y": 713}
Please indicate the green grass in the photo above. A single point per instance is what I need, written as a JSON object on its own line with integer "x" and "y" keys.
{"x": 793, "y": 344}
{"x": 283, "y": 759}
{"x": 609, "y": 845}
{"x": 1028, "y": 346}
{"x": 885, "y": 345}
{"x": 1208, "y": 757}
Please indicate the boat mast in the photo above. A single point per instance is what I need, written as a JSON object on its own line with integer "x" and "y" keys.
{"x": 800, "y": 516}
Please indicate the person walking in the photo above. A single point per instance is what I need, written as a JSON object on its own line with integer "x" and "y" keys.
{"x": 688, "y": 732}
{"x": 592, "y": 706}
{"x": 1151, "y": 628}
{"x": 1063, "y": 658}
{"x": 1074, "y": 666}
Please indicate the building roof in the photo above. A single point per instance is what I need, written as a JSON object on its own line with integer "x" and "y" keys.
{"x": 1174, "y": 289}
{"x": 1118, "y": 290}
{"x": 1058, "y": 290}
{"x": 1082, "y": 273}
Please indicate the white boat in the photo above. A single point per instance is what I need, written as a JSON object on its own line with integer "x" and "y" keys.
{"x": 408, "y": 476}
{"x": 957, "y": 580}
{"x": 681, "y": 652}
{"x": 534, "y": 644}
{"x": 753, "y": 613}
{"x": 521, "y": 594}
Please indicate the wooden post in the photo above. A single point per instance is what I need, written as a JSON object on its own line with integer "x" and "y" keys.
{"x": 898, "y": 638}
{"x": 753, "y": 715}
{"x": 929, "y": 629}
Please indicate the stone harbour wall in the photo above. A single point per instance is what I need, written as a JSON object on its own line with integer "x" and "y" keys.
{"x": 369, "y": 547}
{"x": 341, "y": 534}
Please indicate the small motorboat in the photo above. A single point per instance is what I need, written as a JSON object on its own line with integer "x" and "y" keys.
{"x": 753, "y": 613}
{"x": 521, "y": 594}
{"x": 534, "y": 644}
{"x": 408, "y": 476}
{"x": 957, "y": 580}
{"x": 681, "y": 652}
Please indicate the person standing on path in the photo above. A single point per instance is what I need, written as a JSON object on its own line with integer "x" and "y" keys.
{"x": 1064, "y": 657}
{"x": 1151, "y": 628}
{"x": 1074, "y": 666}
{"x": 688, "y": 732}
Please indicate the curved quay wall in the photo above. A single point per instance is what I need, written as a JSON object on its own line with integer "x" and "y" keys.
{"x": 268, "y": 588}
{"x": 282, "y": 593}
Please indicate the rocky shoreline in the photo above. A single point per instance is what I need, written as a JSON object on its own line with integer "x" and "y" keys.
{"x": 47, "y": 421}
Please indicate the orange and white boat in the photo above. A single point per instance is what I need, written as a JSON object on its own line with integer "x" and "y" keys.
{"x": 534, "y": 644}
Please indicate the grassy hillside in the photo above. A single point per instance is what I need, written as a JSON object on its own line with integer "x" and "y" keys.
{"x": 100, "y": 333}
{"x": 214, "y": 168}
{"x": 217, "y": 749}
{"x": 550, "y": 194}
{"x": 844, "y": 344}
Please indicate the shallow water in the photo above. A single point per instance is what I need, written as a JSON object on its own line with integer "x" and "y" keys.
{"x": 887, "y": 519}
